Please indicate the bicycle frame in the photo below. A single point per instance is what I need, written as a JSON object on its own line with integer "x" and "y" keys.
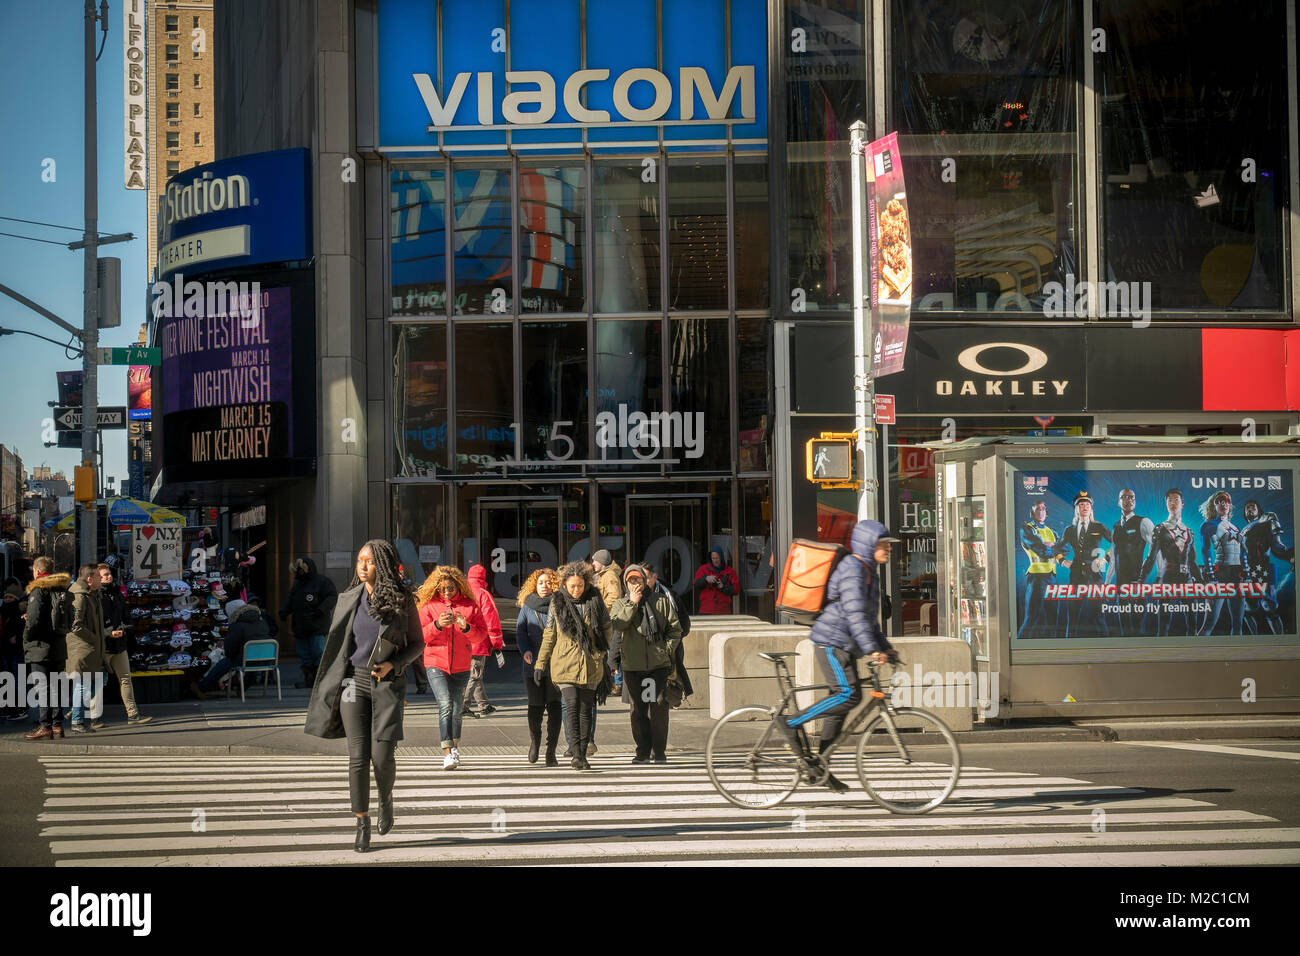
{"x": 855, "y": 722}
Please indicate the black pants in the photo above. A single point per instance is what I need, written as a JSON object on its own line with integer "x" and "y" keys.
{"x": 552, "y": 711}
{"x": 841, "y": 672}
{"x": 363, "y": 748}
{"x": 50, "y": 714}
{"x": 650, "y": 709}
{"x": 579, "y": 703}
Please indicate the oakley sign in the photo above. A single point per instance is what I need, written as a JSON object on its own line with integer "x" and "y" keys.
{"x": 997, "y": 379}
{"x": 537, "y": 90}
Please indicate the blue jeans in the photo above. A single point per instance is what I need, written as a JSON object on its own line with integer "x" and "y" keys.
{"x": 450, "y": 691}
{"x": 84, "y": 697}
{"x": 217, "y": 671}
{"x": 310, "y": 649}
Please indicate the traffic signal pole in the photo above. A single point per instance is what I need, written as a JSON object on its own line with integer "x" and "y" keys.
{"x": 863, "y": 426}
{"x": 90, "y": 308}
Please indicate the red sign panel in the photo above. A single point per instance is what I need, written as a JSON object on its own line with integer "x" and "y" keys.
{"x": 884, "y": 409}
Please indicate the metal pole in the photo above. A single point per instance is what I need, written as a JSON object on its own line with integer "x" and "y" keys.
{"x": 862, "y": 423}
{"x": 90, "y": 317}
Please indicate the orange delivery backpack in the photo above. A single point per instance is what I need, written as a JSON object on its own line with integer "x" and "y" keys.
{"x": 805, "y": 578}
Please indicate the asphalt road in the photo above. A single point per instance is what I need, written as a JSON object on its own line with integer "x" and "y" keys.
{"x": 1159, "y": 803}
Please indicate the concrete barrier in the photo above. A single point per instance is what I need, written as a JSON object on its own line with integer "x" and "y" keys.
{"x": 933, "y": 677}
{"x": 738, "y": 677}
{"x": 696, "y": 651}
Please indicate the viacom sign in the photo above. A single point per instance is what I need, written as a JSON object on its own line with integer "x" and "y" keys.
{"x": 539, "y": 90}
{"x": 483, "y": 76}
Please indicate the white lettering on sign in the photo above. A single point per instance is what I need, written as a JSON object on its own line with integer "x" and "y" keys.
{"x": 693, "y": 82}
{"x": 133, "y": 135}
{"x": 205, "y": 195}
{"x": 204, "y": 247}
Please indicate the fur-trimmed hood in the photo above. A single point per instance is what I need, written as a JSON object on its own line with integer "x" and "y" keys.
{"x": 50, "y": 581}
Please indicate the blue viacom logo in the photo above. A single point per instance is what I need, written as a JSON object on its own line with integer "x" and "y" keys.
{"x": 539, "y": 92}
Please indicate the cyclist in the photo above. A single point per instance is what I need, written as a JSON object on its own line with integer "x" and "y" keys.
{"x": 846, "y": 630}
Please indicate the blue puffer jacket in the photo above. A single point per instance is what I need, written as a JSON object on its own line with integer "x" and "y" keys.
{"x": 850, "y": 619}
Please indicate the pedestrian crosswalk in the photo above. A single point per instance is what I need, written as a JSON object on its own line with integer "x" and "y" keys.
{"x": 137, "y": 810}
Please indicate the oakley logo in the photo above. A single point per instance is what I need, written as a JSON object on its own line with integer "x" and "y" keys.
{"x": 999, "y": 379}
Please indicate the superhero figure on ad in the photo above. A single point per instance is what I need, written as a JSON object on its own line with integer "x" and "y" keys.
{"x": 1263, "y": 538}
{"x": 1222, "y": 545}
{"x": 1173, "y": 554}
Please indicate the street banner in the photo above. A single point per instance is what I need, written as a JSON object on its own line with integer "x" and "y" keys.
{"x": 891, "y": 254}
{"x": 156, "y": 551}
{"x": 139, "y": 392}
{"x": 1157, "y": 552}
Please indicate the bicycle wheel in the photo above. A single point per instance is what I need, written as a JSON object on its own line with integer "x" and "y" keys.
{"x": 915, "y": 772}
{"x": 749, "y": 761}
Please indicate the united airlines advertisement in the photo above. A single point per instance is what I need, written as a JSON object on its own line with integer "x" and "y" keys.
{"x": 1166, "y": 549}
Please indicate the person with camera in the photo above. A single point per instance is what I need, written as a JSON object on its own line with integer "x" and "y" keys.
{"x": 716, "y": 583}
{"x": 360, "y": 689}
{"x": 646, "y": 635}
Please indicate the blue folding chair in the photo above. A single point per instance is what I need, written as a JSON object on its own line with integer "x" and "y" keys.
{"x": 260, "y": 657}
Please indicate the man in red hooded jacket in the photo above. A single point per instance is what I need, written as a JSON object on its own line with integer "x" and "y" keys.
{"x": 483, "y": 641}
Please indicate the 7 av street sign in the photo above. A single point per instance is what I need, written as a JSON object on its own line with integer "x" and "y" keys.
{"x": 69, "y": 419}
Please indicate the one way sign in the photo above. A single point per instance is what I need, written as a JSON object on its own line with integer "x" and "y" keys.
{"x": 69, "y": 419}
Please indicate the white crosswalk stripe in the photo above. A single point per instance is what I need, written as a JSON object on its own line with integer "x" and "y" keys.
{"x": 137, "y": 810}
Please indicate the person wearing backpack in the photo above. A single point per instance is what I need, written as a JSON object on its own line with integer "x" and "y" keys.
{"x": 847, "y": 629}
{"x": 311, "y": 604}
{"x": 45, "y": 648}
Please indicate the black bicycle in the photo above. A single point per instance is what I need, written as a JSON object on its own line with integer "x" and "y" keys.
{"x": 907, "y": 758}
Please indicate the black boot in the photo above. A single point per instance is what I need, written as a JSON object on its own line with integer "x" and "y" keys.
{"x": 534, "y": 745}
{"x": 385, "y": 821}
{"x": 550, "y": 757}
{"x": 363, "y": 834}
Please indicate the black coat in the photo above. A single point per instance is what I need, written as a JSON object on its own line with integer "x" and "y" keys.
{"x": 310, "y": 604}
{"x": 114, "y": 605}
{"x": 401, "y": 641}
{"x": 41, "y": 643}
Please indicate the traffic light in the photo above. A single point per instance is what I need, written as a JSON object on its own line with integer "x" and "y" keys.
{"x": 829, "y": 459}
{"x": 84, "y": 484}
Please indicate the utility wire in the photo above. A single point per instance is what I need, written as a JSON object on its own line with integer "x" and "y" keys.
{"x": 14, "y": 235}
{"x": 37, "y": 222}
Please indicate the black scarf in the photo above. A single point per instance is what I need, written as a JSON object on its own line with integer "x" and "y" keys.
{"x": 652, "y": 626}
{"x": 541, "y": 606}
{"x": 581, "y": 620}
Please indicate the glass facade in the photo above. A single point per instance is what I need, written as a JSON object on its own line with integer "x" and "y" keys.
{"x": 583, "y": 335}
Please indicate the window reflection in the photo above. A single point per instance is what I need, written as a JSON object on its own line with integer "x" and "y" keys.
{"x": 629, "y": 387}
{"x": 753, "y": 254}
{"x": 484, "y": 396}
{"x": 984, "y": 101}
{"x": 826, "y": 91}
{"x": 482, "y": 241}
{"x": 551, "y": 238}
{"x": 700, "y": 426}
{"x": 753, "y": 354}
{"x": 419, "y": 399}
{"x": 626, "y": 239}
{"x": 697, "y": 235}
{"x": 1190, "y": 90}
{"x": 417, "y": 208}
{"x": 555, "y": 390}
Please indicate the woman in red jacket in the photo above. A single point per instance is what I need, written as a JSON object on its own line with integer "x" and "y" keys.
{"x": 448, "y": 615}
{"x": 715, "y": 583}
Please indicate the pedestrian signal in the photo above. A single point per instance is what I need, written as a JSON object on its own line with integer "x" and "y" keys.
{"x": 84, "y": 484}
{"x": 830, "y": 460}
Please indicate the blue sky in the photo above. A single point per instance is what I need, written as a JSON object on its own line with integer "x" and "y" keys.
{"x": 42, "y": 116}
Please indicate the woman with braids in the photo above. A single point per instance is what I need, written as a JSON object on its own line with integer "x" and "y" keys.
{"x": 448, "y": 615}
{"x": 574, "y": 643}
{"x": 534, "y": 608}
{"x": 360, "y": 687}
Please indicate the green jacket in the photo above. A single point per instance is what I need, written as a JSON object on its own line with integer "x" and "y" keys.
{"x": 632, "y": 649}
{"x": 86, "y": 638}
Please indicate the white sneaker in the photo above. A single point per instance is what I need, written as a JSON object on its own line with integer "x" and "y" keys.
{"x": 449, "y": 761}
{"x": 455, "y": 756}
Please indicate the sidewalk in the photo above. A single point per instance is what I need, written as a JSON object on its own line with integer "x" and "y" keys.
{"x": 265, "y": 725}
